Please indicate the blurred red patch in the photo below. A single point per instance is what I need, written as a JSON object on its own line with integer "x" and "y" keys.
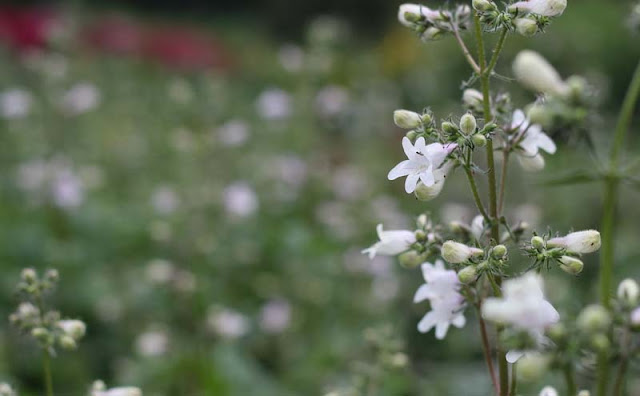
{"x": 27, "y": 28}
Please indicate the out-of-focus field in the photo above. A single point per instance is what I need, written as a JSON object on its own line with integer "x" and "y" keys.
{"x": 207, "y": 223}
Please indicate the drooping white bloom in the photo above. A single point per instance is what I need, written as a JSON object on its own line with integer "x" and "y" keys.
{"x": 455, "y": 252}
{"x": 240, "y": 199}
{"x": 417, "y": 10}
{"x": 548, "y": 391}
{"x": 275, "y": 316}
{"x": 441, "y": 289}
{"x": 578, "y": 242}
{"x": 81, "y": 98}
{"x": 422, "y": 161}
{"x": 100, "y": 389}
{"x": 549, "y": 8}
{"x": 535, "y": 73}
{"x": 152, "y": 343}
{"x": 15, "y": 103}
{"x": 274, "y": 104}
{"x": 391, "y": 242}
{"x": 530, "y": 140}
{"x": 73, "y": 328}
{"x": 522, "y": 306}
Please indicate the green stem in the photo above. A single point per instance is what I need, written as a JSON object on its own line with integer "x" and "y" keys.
{"x": 572, "y": 388}
{"x": 503, "y": 180}
{"x": 622, "y": 372}
{"x": 497, "y": 51}
{"x": 486, "y": 349}
{"x": 607, "y": 256}
{"x": 514, "y": 380}
{"x": 46, "y": 363}
{"x": 476, "y": 195}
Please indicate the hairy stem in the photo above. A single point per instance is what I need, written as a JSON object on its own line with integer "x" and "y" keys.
{"x": 607, "y": 256}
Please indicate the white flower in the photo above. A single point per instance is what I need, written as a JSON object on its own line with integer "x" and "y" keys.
{"x": 549, "y": 8}
{"x": 472, "y": 98}
{"x": 227, "y": 323}
{"x": 152, "y": 343}
{"x": 578, "y": 242}
{"x": 240, "y": 199}
{"x": 417, "y": 10}
{"x": 274, "y": 104}
{"x": 455, "y": 252}
{"x": 530, "y": 140}
{"x": 165, "y": 200}
{"x": 477, "y": 227}
{"x": 80, "y": 98}
{"x": 522, "y": 306}
{"x": 535, "y": 73}
{"x": 15, "y": 103}
{"x": 6, "y": 390}
{"x": 275, "y": 316}
{"x": 73, "y": 328}
{"x": 531, "y": 164}
{"x": 548, "y": 391}
{"x": 332, "y": 100}
{"x": 424, "y": 193}
{"x": 391, "y": 242}
{"x": 291, "y": 58}
{"x": 422, "y": 161}
{"x": 233, "y": 133}
{"x": 635, "y": 317}
{"x": 628, "y": 291}
{"x": 100, "y": 389}
{"x": 441, "y": 289}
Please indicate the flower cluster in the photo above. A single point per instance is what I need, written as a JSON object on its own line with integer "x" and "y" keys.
{"x": 433, "y": 24}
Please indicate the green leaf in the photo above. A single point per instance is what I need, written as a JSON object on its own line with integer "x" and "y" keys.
{"x": 574, "y": 177}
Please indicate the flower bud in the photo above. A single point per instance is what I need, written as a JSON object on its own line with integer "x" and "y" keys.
{"x": 548, "y": 8}
{"x": 578, "y": 242}
{"x": 427, "y": 193}
{"x": 526, "y": 27}
{"x": 426, "y": 119}
{"x": 584, "y": 393}
{"x": 422, "y": 221}
{"x": 472, "y": 98}
{"x": 538, "y": 243}
{"x": 449, "y": 128}
{"x": 406, "y": 119}
{"x": 468, "y": 124}
{"x": 432, "y": 34}
{"x": 479, "y": 140}
{"x": 68, "y": 343}
{"x": 628, "y": 292}
{"x": 593, "y": 318}
{"x": 535, "y": 73}
{"x": 548, "y": 391}
{"x": 498, "y": 252}
{"x": 532, "y": 366}
{"x": 482, "y": 5}
{"x": 468, "y": 274}
{"x": 411, "y": 259}
{"x": 456, "y": 252}
{"x": 539, "y": 114}
{"x": 557, "y": 332}
{"x": 571, "y": 265}
{"x": 52, "y": 275}
{"x": 75, "y": 329}
{"x": 412, "y": 135}
{"x": 600, "y": 342}
{"x": 421, "y": 236}
{"x": 577, "y": 86}
{"x": 29, "y": 275}
{"x": 40, "y": 333}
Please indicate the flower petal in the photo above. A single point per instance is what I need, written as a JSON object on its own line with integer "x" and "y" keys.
{"x": 411, "y": 183}
{"x": 399, "y": 170}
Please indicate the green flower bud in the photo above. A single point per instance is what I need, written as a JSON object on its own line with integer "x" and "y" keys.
{"x": 538, "y": 243}
{"x": 628, "y": 292}
{"x": 424, "y": 193}
{"x": 577, "y": 86}
{"x": 593, "y": 319}
{"x": 40, "y": 333}
{"x": 449, "y": 128}
{"x": 600, "y": 342}
{"x": 412, "y": 135}
{"x": 29, "y": 275}
{"x": 557, "y": 332}
{"x": 532, "y": 366}
{"x": 499, "y": 252}
{"x": 411, "y": 259}
{"x": 539, "y": 114}
{"x": 468, "y": 274}
{"x": 406, "y": 119}
{"x": 68, "y": 343}
{"x": 426, "y": 119}
{"x": 422, "y": 221}
{"x": 479, "y": 140}
{"x": 456, "y": 252}
{"x": 526, "y": 27}
{"x": 432, "y": 34}
{"x": 571, "y": 265}
{"x": 52, "y": 275}
{"x": 421, "y": 236}
{"x": 468, "y": 124}
{"x": 482, "y": 5}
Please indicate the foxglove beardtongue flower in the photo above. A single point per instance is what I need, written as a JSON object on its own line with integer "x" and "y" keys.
{"x": 391, "y": 242}
{"x": 578, "y": 242}
{"x": 409, "y": 14}
{"x": 457, "y": 253}
{"x": 535, "y": 73}
{"x": 549, "y": 8}
{"x": 447, "y": 304}
{"x": 522, "y": 306}
{"x": 422, "y": 161}
{"x": 424, "y": 193}
{"x": 73, "y": 328}
{"x": 530, "y": 140}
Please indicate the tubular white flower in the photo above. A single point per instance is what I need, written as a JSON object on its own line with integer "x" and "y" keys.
{"x": 441, "y": 289}
{"x": 549, "y": 8}
{"x": 391, "y": 242}
{"x": 531, "y": 164}
{"x": 524, "y": 307}
{"x": 424, "y": 193}
{"x": 417, "y": 10}
{"x": 536, "y": 74}
{"x": 421, "y": 163}
{"x": 455, "y": 252}
{"x": 407, "y": 119}
{"x": 477, "y": 227}
{"x": 75, "y": 329}
{"x": 530, "y": 139}
{"x": 578, "y": 242}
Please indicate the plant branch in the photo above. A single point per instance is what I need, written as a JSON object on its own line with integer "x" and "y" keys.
{"x": 503, "y": 180}
{"x": 486, "y": 349}
{"x": 476, "y": 195}
{"x": 496, "y": 52}
{"x": 514, "y": 380}
{"x": 465, "y": 50}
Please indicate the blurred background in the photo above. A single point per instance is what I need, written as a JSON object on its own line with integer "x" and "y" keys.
{"x": 205, "y": 174}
